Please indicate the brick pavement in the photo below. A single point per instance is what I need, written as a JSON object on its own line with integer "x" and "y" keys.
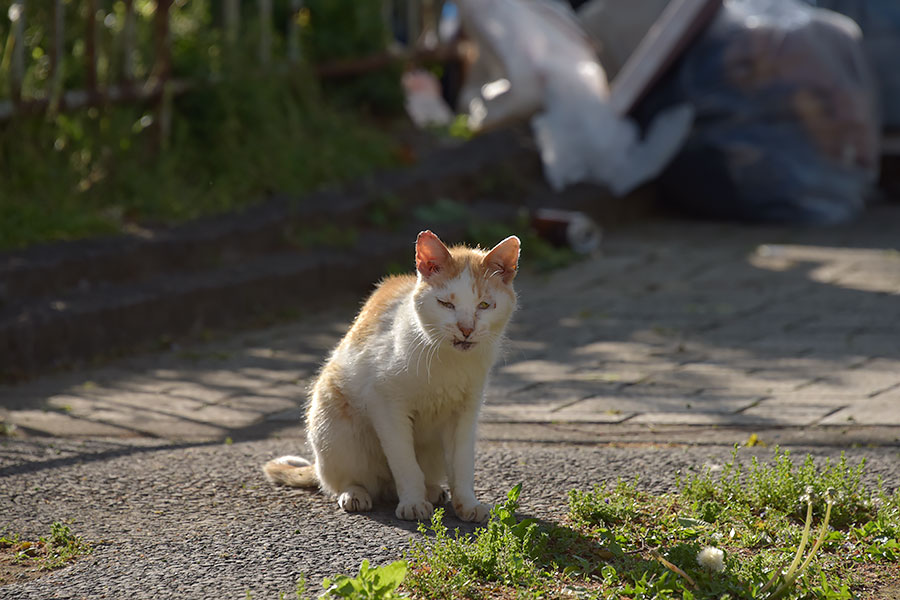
{"x": 676, "y": 324}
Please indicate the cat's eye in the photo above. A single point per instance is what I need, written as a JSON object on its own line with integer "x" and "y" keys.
{"x": 483, "y": 305}
{"x": 446, "y": 304}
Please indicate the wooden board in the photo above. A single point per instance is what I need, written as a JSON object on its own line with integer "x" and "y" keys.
{"x": 667, "y": 39}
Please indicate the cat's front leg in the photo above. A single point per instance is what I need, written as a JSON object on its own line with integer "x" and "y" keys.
{"x": 460, "y": 445}
{"x": 395, "y": 433}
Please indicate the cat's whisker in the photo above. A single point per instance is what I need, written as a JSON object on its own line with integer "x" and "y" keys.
{"x": 417, "y": 350}
{"x": 426, "y": 346}
{"x": 431, "y": 355}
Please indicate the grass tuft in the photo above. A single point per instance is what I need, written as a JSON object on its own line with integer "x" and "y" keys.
{"x": 744, "y": 533}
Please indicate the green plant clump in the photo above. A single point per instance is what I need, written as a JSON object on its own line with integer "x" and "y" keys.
{"x": 379, "y": 583}
{"x": 753, "y": 534}
{"x": 744, "y": 534}
{"x": 52, "y": 552}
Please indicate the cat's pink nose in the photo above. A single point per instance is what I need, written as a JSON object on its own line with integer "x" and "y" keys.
{"x": 466, "y": 331}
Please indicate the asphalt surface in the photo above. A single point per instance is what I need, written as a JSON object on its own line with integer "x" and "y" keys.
{"x": 680, "y": 340}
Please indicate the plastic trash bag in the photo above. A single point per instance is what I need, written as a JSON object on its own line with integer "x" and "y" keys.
{"x": 535, "y": 61}
{"x": 880, "y": 24}
{"x": 786, "y": 127}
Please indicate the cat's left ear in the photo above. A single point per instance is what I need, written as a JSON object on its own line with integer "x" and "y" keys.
{"x": 503, "y": 259}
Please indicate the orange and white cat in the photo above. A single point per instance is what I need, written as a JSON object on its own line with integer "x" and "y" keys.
{"x": 394, "y": 411}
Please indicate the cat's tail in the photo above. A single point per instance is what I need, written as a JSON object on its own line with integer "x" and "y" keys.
{"x": 292, "y": 471}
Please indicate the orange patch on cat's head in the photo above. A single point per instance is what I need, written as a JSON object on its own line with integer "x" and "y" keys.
{"x": 438, "y": 264}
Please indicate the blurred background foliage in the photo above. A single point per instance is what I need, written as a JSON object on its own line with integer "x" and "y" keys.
{"x": 241, "y": 131}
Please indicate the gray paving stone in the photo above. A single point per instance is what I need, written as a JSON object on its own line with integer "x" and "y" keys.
{"x": 866, "y": 381}
{"x": 879, "y": 410}
{"x": 529, "y": 371}
{"x": 61, "y": 424}
{"x": 549, "y": 393}
{"x": 632, "y": 402}
{"x": 802, "y": 397}
{"x": 723, "y": 377}
{"x": 703, "y": 419}
{"x": 790, "y": 414}
{"x": 528, "y": 413}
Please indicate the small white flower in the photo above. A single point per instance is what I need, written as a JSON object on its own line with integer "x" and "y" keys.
{"x": 15, "y": 11}
{"x": 712, "y": 558}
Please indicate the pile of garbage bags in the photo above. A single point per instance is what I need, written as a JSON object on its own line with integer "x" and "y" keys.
{"x": 535, "y": 61}
{"x": 787, "y": 120}
{"x": 774, "y": 113}
{"x": 880, "y": 24}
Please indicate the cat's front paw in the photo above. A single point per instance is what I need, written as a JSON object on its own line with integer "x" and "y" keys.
{"x": 436, "y": 494}
{"x": 415, "y": 511}
{"x": 475, "y": 512}
{"x": 355, "y": 499}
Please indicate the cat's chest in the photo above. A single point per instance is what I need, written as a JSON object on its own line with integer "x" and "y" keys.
{"x": 447, "y": 392}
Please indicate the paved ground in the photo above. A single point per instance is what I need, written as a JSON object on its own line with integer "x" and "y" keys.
{"x": 677, "y": 342}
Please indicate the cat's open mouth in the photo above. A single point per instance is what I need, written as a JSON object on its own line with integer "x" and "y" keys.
{"x": 462, "y": 344}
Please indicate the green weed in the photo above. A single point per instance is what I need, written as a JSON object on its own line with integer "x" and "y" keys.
{"x": 503, "y": 553}
{"x": 746, "y": 533}
{"x": 379, "y": 583}
{"x": 52, "y": 552}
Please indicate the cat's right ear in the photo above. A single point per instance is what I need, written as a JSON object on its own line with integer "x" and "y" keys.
{"x": 432, "y": 255}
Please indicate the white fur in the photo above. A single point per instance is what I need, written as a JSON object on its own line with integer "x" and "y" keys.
{"x": 413, "y": 401}
{"x": 294, "y": 461}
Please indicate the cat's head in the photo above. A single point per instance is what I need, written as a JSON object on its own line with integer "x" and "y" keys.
{"x": 464, "y": 296}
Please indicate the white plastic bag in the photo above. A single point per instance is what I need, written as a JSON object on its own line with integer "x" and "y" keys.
{"x": 534, "y": 60}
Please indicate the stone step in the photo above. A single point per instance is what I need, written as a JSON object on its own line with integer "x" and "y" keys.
{"x": 457, "y": 171}
{"x": 114, "y": 318}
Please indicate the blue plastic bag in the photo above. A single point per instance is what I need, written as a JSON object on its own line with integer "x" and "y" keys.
{"x": 786, "y": 128}
{"x": 880, "y": 24}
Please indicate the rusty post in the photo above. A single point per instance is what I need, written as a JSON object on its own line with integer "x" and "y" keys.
{"x": 162, "y": 72}
{"x": 413, "y": 23}
{"x": 265, "y": 32}
{"x": 17, "y": 71}
{"x": 162, "y": 68}
{"x": 57, "y": 65}
{"x": 128, "y": 36}
{"x": 293, "y": 31}
{"x": 90, "y": 48}
{"x": 231, "y": 16}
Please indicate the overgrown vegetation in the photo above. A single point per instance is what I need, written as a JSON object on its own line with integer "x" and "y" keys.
{"x": 241, "y": 132}
{"x": 739, "y": 534}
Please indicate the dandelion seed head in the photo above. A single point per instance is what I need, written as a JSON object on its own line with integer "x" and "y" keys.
{"x": 712, "y": 559}
{"x": 15, "y": 11}
{"x": 808, "y": 495}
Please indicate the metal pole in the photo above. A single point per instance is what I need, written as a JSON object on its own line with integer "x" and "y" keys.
{"x": 90, "y": 45}
{"x": 57, "y": 66}
{"x": 128, "y": 34}
{"x": 17, "y": 73}
{"x": 265, "y": 32}
{"x": 232, "y": 18}
{"x": 293, "y": 40}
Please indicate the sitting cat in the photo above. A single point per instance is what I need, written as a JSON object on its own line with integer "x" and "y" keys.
{"x": 393, "y": 412}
